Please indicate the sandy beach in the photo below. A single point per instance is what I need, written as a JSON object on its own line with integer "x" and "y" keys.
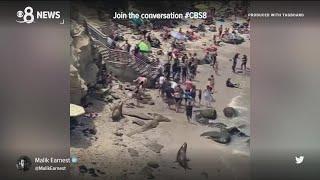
{"x": 118, "y": 156}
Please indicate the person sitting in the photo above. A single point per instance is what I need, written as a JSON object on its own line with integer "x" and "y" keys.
{"x": 213, "y": 28}
{"x": 155, "y": 43}
{"x": 191, "y": 35}
{"x": 141, "y": 80}
{"x": 193, "y": 27}
{"x": 207, "y": 58}
{"x": 201, "y": 27}
{"x": 230, "y": 84}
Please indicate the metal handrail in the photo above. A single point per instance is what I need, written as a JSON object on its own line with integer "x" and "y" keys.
{"x": 131, "y": 57}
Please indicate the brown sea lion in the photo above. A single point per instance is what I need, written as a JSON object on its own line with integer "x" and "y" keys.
{"x": 221, "y": 136}
{"x": 182, "y": 156}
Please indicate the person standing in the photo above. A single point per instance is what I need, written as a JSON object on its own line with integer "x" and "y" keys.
{"x": 167, "y": 69}
{"x": 207, "y": 58}
{"x": 193, "y": 70}
{"x": 220, "y": 30}
{"x": 244, "y": 62}
{"x": 193, "y": 93}
{"x": 187, "y": 96}
{"x": 212, "y": 81}
{"x": 178, "y": 97}
{"x": 174, "y": 69}
{"x": 215, "y": 40}
{"x": 216, "y": 68}
{"x": 184, "y": 71}
{"x": 200, "y": 96}
{"x": 208, "y": 96}
{"x": 234, "y": 62}
{"x": 178, "y": 73}
{"x": 214, "y": 58}
{"x": 184, "y": 58}
{"x": 161, "y": 82}
{"x": 126, "y": 46}
{"x": 188, "y": 84}
{"x": 189, "y": 108}
{"x": 170, "y": 96}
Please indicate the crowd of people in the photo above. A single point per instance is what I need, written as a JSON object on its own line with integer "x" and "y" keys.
{"x": 176, "y": 75}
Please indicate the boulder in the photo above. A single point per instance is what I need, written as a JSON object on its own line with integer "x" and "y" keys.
{"x": 230, "y": 112}
{"x": 78, "y": 89}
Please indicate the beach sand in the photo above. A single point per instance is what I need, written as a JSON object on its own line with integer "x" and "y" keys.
{"x": 208, "y": 159}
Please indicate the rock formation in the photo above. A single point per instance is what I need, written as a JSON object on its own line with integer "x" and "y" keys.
{"x": 77, "y": 86}
{"x": 230, "y": 112}
{"x": 83, "y": 70}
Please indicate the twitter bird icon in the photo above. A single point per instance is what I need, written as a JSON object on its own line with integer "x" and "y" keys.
{"x": 299, "y": 159}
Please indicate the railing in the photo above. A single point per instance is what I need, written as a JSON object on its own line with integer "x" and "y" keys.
{"x": 115, "y": 55}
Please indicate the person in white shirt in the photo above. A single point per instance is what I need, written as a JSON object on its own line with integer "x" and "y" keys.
{"x": 161, "y": 81}
{"x": 173, "y": 84}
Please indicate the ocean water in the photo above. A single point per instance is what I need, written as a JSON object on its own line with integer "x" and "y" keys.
{"x": 241, "y": 103}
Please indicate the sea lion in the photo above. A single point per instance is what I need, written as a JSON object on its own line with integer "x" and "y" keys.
{"x": 117, "y": 112}
{"x": 224, "y": 138}
{"x": 182, "y": 156}
{"x": 236, "y": 131}
{"x": 217, "y": 125}
{"x": 221, "y": 137}
{"x": 208, "y": 113}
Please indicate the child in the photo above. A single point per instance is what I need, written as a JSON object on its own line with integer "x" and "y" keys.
{"x": 199, "y": 96}
{"x": 189, "y": 107}
{"x": 208, "y": 97}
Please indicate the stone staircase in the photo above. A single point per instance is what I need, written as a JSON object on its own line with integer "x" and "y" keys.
{"x": 119, "y": 57}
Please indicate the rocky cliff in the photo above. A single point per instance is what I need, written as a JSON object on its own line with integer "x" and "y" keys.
{"x": 83, "y": 70}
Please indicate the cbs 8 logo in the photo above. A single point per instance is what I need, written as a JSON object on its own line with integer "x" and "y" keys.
{"x": 28, "y": 16}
